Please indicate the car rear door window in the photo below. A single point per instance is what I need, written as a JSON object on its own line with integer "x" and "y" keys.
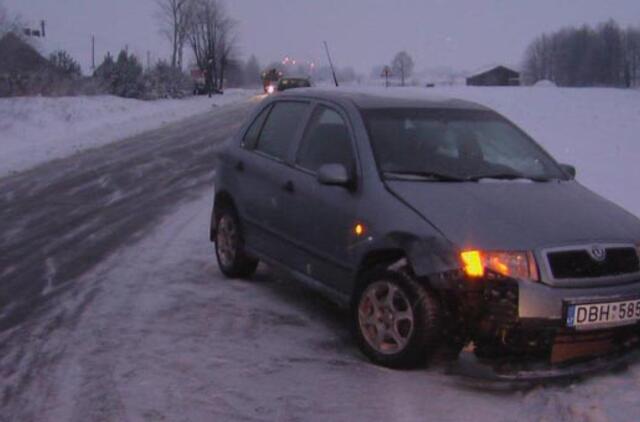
{"x": 251, "y": 136}
{"x": 326, "y": 141}
{"x": 281, "y": 127}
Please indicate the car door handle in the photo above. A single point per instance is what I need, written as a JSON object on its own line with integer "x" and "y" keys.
{"x": 240, "y": 166}
{"x": 288, "y": 186}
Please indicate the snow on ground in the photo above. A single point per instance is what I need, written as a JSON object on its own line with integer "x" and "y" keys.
{"x": 37, "y": 129}
{"x": 161, "y": 335}
{"x": 595, "y": 129}
{"x": 164, "y": 336}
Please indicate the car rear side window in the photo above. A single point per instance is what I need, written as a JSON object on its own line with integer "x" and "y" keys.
{"x": 281, "y": 127}
{"x": 326, "y": 141}
{"x": 251, "y": 137}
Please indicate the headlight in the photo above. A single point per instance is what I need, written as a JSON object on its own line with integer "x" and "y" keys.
{"x": 520, "y": 265}
{"x": 271, "y": 89}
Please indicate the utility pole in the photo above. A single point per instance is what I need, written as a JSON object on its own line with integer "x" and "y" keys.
{"x": 148, "y": 60}
{"x": 93, "y": 53}
{"x": 335, "y": 78}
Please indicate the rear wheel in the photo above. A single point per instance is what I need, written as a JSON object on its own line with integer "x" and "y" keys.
{"x": 396, "y": 321}
{"x": 232, "y": 259}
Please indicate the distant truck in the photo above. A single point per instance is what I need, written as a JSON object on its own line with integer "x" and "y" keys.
{"x": 270, "y": 78}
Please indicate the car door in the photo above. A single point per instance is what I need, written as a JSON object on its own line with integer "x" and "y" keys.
{"x": 321, "y": 218}
{"x": 263, "y": 168}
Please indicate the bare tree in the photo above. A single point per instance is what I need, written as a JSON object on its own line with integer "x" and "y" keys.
{"x": 252, "y": 72}
{"x": 601, "y": 56}
{"x": 402, "y": 65}
{"x": 10, "y": 23}
{"x": 211, "y": 35}
{"x": 175, "y": 17}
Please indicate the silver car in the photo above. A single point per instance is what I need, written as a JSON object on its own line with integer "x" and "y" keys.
{"x": 437, "y": 223}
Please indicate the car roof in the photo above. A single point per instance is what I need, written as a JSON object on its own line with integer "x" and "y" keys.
{"x": 367, "y": 100}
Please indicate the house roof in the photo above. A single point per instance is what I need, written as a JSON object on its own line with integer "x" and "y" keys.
{"x": 17, "y": 56}
{"x": 486, "y": 70}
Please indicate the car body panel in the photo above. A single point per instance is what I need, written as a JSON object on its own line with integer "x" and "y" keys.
{"x": 539, "y": 301}
{"x": 307, "y": 231}
{"x": 513, "y": 215}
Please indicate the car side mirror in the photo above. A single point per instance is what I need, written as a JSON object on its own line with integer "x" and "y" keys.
{"x": 333, "y": 174}
{"x": 569, "y": 169}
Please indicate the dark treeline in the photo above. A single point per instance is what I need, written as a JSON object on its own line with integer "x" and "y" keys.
{"x": 603, "y": 56}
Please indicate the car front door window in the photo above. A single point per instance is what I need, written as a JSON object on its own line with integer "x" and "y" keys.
{"x": 281, "y": 127}
{"x": 326, "y": 141}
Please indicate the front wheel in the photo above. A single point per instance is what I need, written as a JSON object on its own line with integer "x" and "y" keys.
{"x": 396, "y": 321}
{"x": 229, "y": 243}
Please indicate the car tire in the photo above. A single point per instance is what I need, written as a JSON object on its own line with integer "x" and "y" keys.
{"x": 395, "y": 320}
{"x": 233, "y": 261}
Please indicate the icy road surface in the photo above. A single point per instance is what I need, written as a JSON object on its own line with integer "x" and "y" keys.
{"x": 61, "y": 218}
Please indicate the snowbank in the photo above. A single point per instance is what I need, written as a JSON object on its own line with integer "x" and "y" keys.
{"x": 38, "y": 129}
{"x": 595, "y": 129}
{"x": 545, "y": 83}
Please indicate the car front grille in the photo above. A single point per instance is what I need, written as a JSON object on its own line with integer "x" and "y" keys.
{"x": 575, "y": 264}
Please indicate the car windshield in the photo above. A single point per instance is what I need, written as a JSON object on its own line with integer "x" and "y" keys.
{"x": 455, "y": 145}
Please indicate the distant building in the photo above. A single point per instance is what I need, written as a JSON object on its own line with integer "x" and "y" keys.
{"x": 18, "y": 57}
{"x": 496, "y": 76}
{"x": 23, "y": 71}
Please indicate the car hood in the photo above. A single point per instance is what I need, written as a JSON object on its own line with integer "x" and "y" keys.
{"x": 517, "y": 215}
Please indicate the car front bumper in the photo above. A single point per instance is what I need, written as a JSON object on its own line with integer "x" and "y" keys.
{"x": 540, "y": 302}
{"x": 529, "y": 319}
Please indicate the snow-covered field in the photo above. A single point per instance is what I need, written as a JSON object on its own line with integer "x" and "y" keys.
{"x": 595, "y": 129}
{"x": 38, "y": 129}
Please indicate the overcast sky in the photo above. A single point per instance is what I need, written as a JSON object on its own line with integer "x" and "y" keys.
{"x": 463, "y": 34}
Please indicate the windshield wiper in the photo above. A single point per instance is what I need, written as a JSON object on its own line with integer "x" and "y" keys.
{"x": 422, "y": 175}
{"x": 507, "y": 176}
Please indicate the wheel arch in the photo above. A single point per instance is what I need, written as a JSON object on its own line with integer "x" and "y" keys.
{"x": 373, "y": 259}
{"x": 422, "y": 257}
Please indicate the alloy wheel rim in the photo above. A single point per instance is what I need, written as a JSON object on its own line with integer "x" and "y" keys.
{"x": 227, "y": 240}
{"x": 385, "y": 317}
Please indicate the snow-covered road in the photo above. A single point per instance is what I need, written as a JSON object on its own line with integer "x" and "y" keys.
{"x": 61, "y": 218}
{"x": 156, "y": 333}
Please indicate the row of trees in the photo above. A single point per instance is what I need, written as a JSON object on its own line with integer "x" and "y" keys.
{"x": 125, "y": 77}
{"x": 603, "y": 56}
{"x": 204, "y": 26}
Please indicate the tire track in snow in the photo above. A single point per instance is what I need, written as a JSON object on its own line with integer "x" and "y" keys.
{"x": 75, "y": 211}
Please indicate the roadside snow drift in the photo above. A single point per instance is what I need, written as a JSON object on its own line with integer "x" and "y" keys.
{"x": 37, "y": 129}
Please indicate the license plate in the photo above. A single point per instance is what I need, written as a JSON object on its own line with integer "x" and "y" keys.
{"x": 609, "y": 314}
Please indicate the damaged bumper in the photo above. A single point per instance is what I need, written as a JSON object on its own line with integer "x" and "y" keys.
{"x": 532, "y": 321}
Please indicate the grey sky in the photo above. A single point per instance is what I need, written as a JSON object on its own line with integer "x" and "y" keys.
{"x": 463, "y": 34}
